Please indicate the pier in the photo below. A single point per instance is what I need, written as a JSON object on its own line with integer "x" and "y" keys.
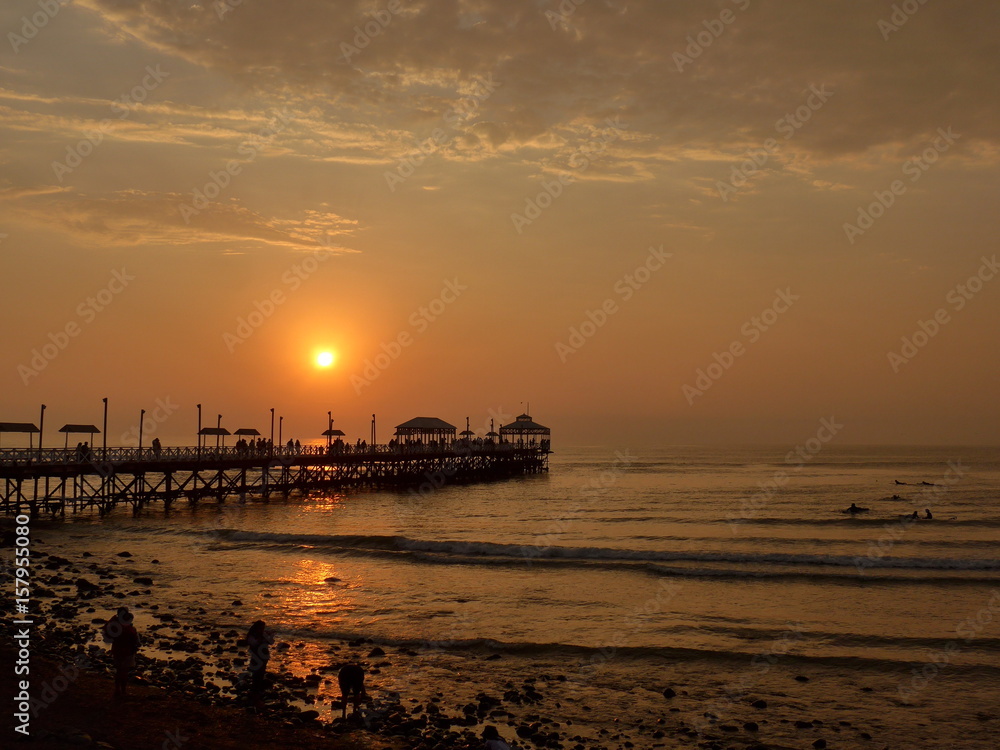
{"x": 424, "y": 455}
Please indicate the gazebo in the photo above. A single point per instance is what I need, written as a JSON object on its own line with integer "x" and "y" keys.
{"x": 217, "y": 431}
{"x": 426, "y": 429}
{"x": 522, "y": 427}
{"x": 80, "y": 429}
{"x": 27, "y": 427}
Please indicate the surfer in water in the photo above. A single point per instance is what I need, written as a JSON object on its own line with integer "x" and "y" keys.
{"x": 927, "y": 512}
{"x": 855, "y": 509}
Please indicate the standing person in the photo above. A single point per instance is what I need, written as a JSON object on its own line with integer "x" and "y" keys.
{"x": 259, "y": 640}
{"x": 113, "y": 627}
{"x": 124, "y": 647}
{"x": 493, "y": 740}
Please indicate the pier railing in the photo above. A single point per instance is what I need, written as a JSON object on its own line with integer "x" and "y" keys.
{"x": 12, "y": 457}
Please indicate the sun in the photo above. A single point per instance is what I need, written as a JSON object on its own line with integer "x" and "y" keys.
{"x": 325, "y": 359}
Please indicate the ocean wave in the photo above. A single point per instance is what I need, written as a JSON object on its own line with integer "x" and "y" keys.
{"x": 586, "y": 657}
{"x": 473, "y": 550}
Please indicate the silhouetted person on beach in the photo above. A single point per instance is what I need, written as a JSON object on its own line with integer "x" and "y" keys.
{"x": 124, "y": 647}
{"x": 352, "y": 686}
{"x": 259, "y": 641}
{"x": 113, "y": 627}
{"x": 493, "y": 740}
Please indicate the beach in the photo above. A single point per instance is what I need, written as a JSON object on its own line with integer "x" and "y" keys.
{"x": 664, "y": 602}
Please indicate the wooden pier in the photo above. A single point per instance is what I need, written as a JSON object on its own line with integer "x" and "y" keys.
{"x": 54, "y": 481}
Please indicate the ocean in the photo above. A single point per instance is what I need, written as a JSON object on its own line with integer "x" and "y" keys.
{"x": 720, "y": 573}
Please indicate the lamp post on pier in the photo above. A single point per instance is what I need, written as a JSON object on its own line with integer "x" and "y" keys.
{"x": 199, "y": 431}
{"x": 142, "y": 417}
{"x": 271, "y": 447}
{"x": 329, "y": 430}
{"x": 218, "y": 434}
{"x": 104, "y": 449}
{"x": 373, "y": 432}
{"x": 41, "y": 430}
{"x": 281, "y": 421}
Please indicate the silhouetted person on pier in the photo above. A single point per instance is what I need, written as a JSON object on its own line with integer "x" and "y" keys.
{"x": 156, "y": 447}
{"x": 123, "y": 650}
{"x": 259, "y": 640}
{"x": 298, "y": 447}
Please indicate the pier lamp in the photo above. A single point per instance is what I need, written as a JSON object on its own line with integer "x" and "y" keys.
{"x": 272, "y": 429}
{"x": 218, "y": 427}
{"x": 281, "y": 421}
{"x": 199, "y": 431}
{"x": 41, "y": 430}
{"x": 142, "y": 417}
{"x": 104, "y": 450}
{"x": 373, "y": 430}
{"x": 329, "y": 428}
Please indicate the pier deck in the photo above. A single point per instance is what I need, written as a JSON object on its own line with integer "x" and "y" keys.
{"x": 52, "y": 481}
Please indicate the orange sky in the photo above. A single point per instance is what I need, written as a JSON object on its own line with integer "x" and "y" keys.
{"x": 684, "y": 222}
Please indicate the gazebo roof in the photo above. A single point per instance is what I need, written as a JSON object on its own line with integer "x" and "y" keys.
{"x": 214, "y": 431}
{"x": 333, "y": 433}
{"x": 247, "y": 431}
{"x": 17, "y": 427}
{"x": 426, "y": 425}
{"x": 82, "y": 428}
{"x": 524, "y": 424}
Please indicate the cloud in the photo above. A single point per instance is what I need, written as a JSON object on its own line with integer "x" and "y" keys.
{"x": 608, "y": 58}
{"x": 139, "y": 218}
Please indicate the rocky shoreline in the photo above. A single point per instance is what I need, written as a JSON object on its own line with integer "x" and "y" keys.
{"x": 206, "y": 667}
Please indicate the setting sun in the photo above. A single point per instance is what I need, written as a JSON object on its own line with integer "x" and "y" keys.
{"x": 325, "y": 359}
